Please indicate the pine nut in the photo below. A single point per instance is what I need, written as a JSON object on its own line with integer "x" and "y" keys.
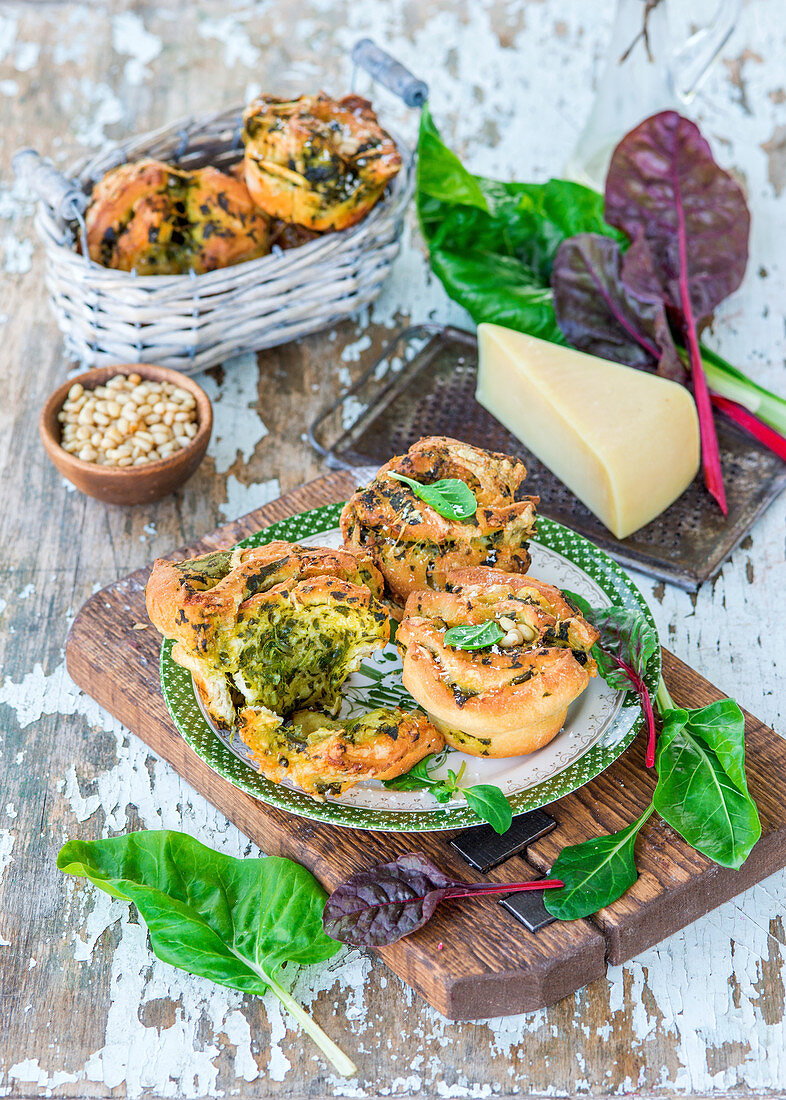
{"x": 506, "y": 623}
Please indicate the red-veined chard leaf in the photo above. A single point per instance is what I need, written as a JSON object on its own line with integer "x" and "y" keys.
{"x": 594, "y": 873}
{"x": 391, "y": 900}
{"x": 623, "y": 652}
{"x": 234, "y": 921}
{"x": 702, "y": 790}
{"x": 598, "y": 314}
{"x": 688, "y": 222}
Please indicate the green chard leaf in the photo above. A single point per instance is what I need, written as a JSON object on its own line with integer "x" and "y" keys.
{"x": 450, "y": 497}
{"x": 702, "y": 791}
{"x": 234, "y": 921}
{"x": 492, "y": 244}
{"x": 595, "y": 873}
{"x": 474, "y": 636}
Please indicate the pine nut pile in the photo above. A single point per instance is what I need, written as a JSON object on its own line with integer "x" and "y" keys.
{"x": 515, "y": 633}
{"x": 130, "y": 421}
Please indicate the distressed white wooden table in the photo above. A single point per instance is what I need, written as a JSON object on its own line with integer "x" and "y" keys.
{"x": 86, "y": 1009}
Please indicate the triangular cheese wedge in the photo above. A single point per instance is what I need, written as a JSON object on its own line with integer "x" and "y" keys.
{"x": 624, "y": 441}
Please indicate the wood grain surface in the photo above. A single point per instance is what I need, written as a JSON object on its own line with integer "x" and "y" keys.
{"x": 470, "y": 961}
{"x": 85, "y": 1009}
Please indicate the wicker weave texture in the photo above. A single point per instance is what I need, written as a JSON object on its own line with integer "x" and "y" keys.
{"x": 191, "y": 322}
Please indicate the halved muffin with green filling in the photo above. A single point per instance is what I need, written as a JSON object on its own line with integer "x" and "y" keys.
{"x": 278, "y": 626}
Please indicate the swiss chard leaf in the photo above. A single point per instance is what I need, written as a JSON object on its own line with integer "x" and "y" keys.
{"x": 450, "y": 497}
{"x": 702, "y": 791}
{"x": 594, "y": 873}
{"x": 626, "y": 645}
{"x": 384, "y": 903}
{"x": 474, "y": 635}
{"x": 492, "y": 244}
{"x": 599, "y": 315}
{"x": 234, "y": 921}
{"x": 623, "y": 652}
{"x": 689, "y": 224}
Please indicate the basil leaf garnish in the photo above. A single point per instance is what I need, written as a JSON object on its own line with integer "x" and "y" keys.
{"x": 474, "y": 636}
{"x": 488, "y": 802}
{"x": 450, "y": 497}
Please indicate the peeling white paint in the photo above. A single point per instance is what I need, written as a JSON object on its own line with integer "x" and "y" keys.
{"x": 237, "y": 426}
{"x": 102, "y": 108}
{"x": 17, "y": 255}
{"x": 130, "y": 37}
{"x": 238, "y": 49}
{"x": 245, "y": 498}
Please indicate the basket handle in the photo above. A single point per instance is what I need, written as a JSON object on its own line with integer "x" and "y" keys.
{"x": 62, "y": 194}
{"x": 390, "y": 73}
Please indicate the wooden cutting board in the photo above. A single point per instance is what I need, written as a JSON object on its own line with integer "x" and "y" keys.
{"x": 473, "y": 960}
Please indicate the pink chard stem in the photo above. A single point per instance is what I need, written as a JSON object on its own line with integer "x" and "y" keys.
{"x": 751, "y": 424}
{"x": 475, "y": 890}
{"x": 646, "y": 706}
{"x": 710, "y": 453}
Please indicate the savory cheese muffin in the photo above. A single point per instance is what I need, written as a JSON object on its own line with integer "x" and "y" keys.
{"x": 508, "y": 698}
{"x": 278, "y": 626}
{"x": 324, "y": 756}
{"x": 415, "y": 547}
{"x": 319, "y": 162}
{"x": 157, "y": 219}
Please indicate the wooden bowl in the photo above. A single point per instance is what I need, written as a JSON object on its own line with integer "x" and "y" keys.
{"x": 127, "y": 484}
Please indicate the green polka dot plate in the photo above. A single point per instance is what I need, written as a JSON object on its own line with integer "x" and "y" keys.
{"x": 600, "y": 725}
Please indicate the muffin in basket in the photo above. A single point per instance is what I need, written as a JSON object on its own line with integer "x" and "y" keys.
{"x": 156, "y": 219}
{"x": 319, "y": 162}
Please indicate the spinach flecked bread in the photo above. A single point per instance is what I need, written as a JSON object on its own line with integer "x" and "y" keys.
{"x": 319, "y": 162}
{"x": 157, "y": 219}
{"x": 415, "y": 547}
{"x": 278, "y": 626}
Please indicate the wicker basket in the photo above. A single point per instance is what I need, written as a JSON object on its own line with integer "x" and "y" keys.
{"x": 191, "y": 322}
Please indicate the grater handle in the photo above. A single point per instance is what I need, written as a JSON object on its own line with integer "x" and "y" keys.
{"x": 390, "y": 73}
{"x": 63, "y": 195}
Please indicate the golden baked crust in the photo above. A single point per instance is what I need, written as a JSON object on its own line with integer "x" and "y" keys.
{"x": 156, "y": 219}
{"x": 413, "y": 546}
{"x": 326, "y": 756}
{"x": 316, "y": 161}
{"x": 496, "y": 702}
{"x": 280, "y": 625}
